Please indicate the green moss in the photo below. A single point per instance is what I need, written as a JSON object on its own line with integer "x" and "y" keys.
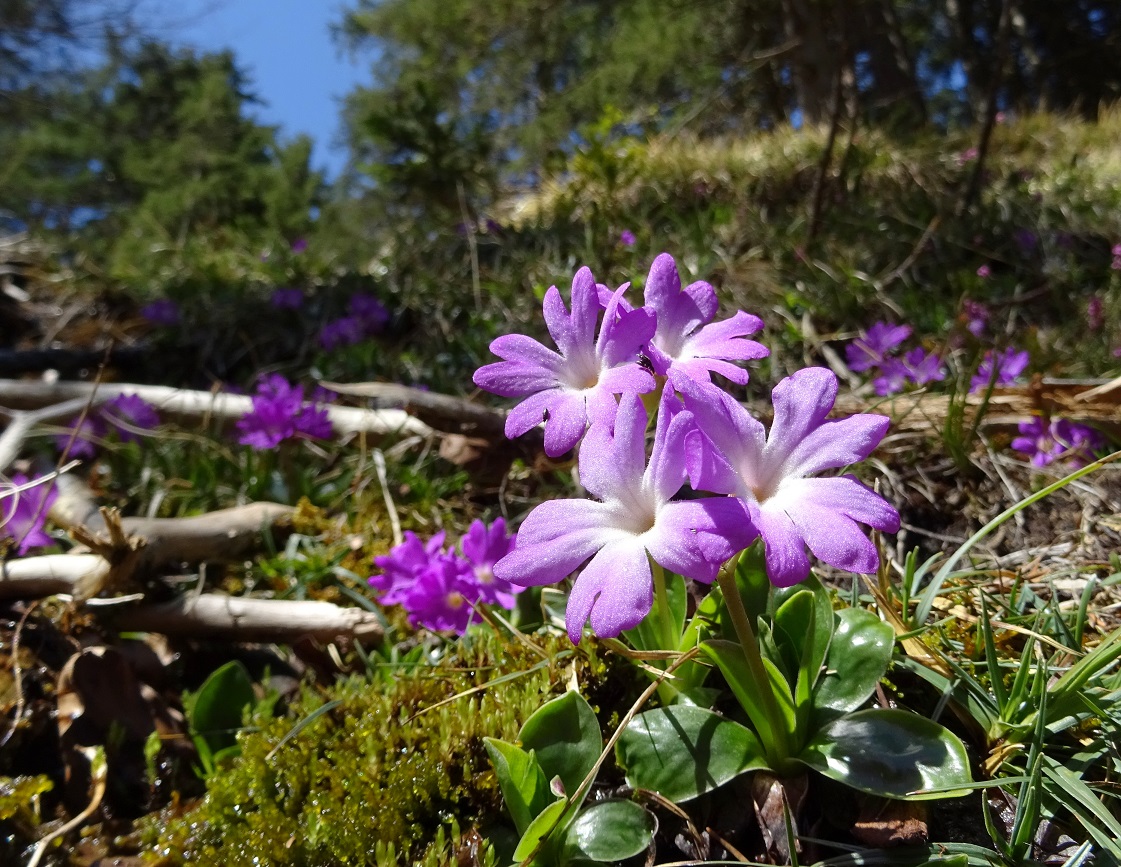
{"x": 366, "y": 782}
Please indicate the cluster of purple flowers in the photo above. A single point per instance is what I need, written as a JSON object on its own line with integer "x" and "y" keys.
{"x": 441, "y": 588}
{"x": 999, "y": 369}
{"x": 129, "y": 416}
{"x": 1046, "y": 441}
{"x": 1116, "y": 251}
{"x": 760, "y": 485}
{"x": 287, "y": 298}
{"x": 280, "y": 412}
{"x": 163, "y": 312}
{"x": 24, "y": 504}
{"x": 366, "y": 316}
{"x": 875, "y": 352}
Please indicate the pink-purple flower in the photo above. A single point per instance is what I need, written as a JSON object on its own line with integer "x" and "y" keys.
{"x": 633, "y": 520}
{"x": 984, "y": 272}
{"x": 23, "y": 512}
{"x": 873, "y": 348}
{"x": 686, "y": 341}
{"x": 439, "y": 588}
{"x": 772, "y": 475}
{"x": 976, "y": 317}
{"x": 571, "y": 388}
{"x": 627, "y": 238}
{"x": 287, "y": 298}
{"x": 129, "y": 415}
{"x": 366, "y": 317}
{"x": 163, "y": 312}
{"x": 280, "y": 413}
{"x": 999, "y": 369}
{"x": 1060, "y": 439}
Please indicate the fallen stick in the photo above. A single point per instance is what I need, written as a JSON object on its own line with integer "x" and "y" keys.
{"x": 20, "y": 394}
{"x": 225, "y": 534}
{"x": 238, "y": 618}
{"x": 78, "y": 575}
{"x": 444, "y": 411}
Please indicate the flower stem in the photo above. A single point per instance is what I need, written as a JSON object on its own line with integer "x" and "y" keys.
{"x": 776, "y": 741}
{"x": 669, "y": 639}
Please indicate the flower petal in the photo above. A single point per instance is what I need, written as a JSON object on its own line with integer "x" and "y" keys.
{"x": 554, "y": 540}
{"x": 787, "y": 562}
{"x": 802, "y": 401}
{"x": 616, "y": 590}
{"x": 530, "y": 412}
{"x": 694, "y": 538}
{"x": 568, "y": 418}
{"x": 846, "y": 496}
{"x": 837, "y": 443}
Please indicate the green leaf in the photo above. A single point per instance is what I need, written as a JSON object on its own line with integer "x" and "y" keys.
{"x": 728, "y": 657}
{"x": 608, "y": 832}
{"x": 682, "y": 752}
{"x": 540, "y": 828}
{"x": 793, "y": 622}
{"x": 216, "y": 711}
{"x": 524, "y": 786}
{"x": 1068, "y": 789}
{"x": 890, "y": 753}
{"x": 566, "y": 737}
{"x": 858, "y": 657}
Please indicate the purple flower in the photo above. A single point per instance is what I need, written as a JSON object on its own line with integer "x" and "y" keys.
{"x": 1036, "y": 442}
{"x": 441, "y": 596}
{"x": 402, "y": 564}
{"x": 892, "y": 379}
{"x": 1095, "y": 313}
{"x": 686, "y": 341}
{"x": 23, "y": 512}
{"x": 977, "y": 317}
{"x": 966, "y": 156}
{"x": 131, "y": 416}
{"x": 346, "y": 331}
{"x": 81, "y": 437}
{"x": 483, "y": 547}
{"x": 633, "y": 521}
{"x": 568, "y": 389}
{"x": 163, "y": 311}
{"x": 299, "y": 245}
{"x": 627, "y": 238}
{"x": 369, "y": 311}
{"x": 771, "y": 475}
{"x": 866, "y": 352}
{"x": 439, "y": 588}
{"x": 287, "y": 298}
{"x": 1116, "y": 251}
{"x": 984, "y": 272}
{"x": 1026, "y": 240}
{"x": 1000, "y": 369}
{"x": 923, "y": 367}
{"x": 279, "y": 413}
{"x": 1061, "y": 439}
{"x": 1079, "y": 443}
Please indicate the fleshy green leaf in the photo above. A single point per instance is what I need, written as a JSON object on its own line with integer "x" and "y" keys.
{"x": 540, "y": 828}
{"x": 566, "y": 737}
{"x": 216, "y": 711}
{"x": 682, "y": 752}
{"x": 792, "y": 624}
{"x": 890, "y": 753}
{"x": 608, "y": 832}
{"x": 858, "y": 657}
{"x": 524, "y": 786}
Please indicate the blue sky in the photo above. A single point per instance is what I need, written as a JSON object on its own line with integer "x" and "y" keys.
{"x": 286, "y": 49}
